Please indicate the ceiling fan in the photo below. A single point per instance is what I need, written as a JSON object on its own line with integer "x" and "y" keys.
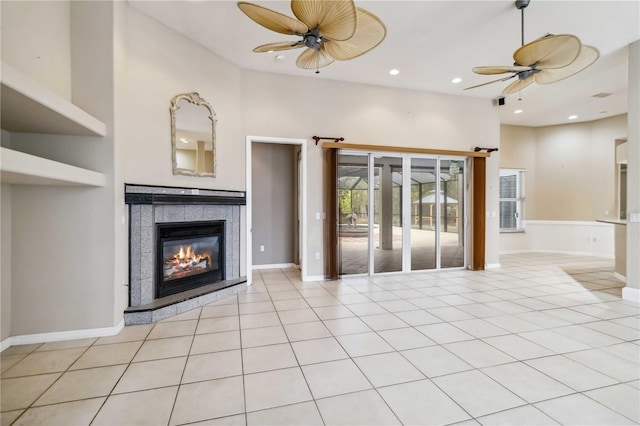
{"x": 328, "y": 30}
{"x": 549, "y": 59}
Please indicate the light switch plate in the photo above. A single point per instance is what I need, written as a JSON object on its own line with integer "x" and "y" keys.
{"x": 634, "y": 217}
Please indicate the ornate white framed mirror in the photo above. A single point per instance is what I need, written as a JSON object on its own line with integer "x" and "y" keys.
{"x": 193, "y": 136}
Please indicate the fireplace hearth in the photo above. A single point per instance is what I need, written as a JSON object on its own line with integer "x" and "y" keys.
{"x": 189, "y": 255}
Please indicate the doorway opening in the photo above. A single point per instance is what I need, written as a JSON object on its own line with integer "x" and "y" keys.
{"x": 276, "y": 203}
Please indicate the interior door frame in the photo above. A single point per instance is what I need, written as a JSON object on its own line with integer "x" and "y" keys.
{"x": 303, "y": 195}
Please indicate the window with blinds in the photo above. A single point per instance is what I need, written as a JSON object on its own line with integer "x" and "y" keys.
{"x": 511, "y": 200}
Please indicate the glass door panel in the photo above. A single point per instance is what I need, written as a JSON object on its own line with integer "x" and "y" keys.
{"x": 423, "y": 214}
{"x": 353, "y": 215}
{"x": 451, "y": 211}
{"x": 387, "y": 223}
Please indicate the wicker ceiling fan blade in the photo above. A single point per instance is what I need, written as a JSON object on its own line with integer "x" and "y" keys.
{"x": 491, "y": 82}
{"x": 272, "y": 20}
{"x": 588, "y": 55}
{"x": 518, "y": 85}
{"x": 499, "y": 69}
{"x": 312, "y": 59}
{"x": 553, "y": 51}
{"x": 273, "y": 47}
{"x": 334, "y": 19}
{"x": 369, "y": 34}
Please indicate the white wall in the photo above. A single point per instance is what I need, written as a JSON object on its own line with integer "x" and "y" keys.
{"x": 561, "y": 236}
{"x": 633, "y": 176}
{"x": 570, "y": 180}
{"x": 576, "y": 169}
{"x": 276, "y": 105}
{"x": 5, "y": 256}
{"x": 36, "y": 39}
{"x": 160, "y": 63}
{"x": 51, "y": 225}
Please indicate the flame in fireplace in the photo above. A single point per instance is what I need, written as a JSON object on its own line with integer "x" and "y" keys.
{"x": 186, "y": 259}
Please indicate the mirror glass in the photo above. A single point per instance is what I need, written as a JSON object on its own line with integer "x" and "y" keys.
{"x": 193, "y": 137}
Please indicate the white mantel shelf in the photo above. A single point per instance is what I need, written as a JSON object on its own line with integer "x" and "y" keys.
{"x": 30, "y": 107}
{"x": 19, "y": 168}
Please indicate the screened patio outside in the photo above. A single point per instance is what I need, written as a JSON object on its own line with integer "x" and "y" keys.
{"x": 353, "y": 206}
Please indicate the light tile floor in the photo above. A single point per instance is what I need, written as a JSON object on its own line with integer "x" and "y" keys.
{"x": 545, "y": 339}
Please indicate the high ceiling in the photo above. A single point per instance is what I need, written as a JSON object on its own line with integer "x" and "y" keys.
{"x": 432, "y": 42}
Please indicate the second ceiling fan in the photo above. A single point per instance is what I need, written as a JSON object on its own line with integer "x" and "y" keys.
{"x": 546, "y": 60}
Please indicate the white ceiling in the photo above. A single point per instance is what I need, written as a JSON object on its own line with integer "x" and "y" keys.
{"x": 431, "y": 42}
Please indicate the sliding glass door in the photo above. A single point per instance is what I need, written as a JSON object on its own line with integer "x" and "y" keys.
{"x": 400, "y": 212}
{"x": 353, "y": 213}
{"x": 387, "y": 218}
{"x": 424, "y": 217}
{"x": 452, "y": 206}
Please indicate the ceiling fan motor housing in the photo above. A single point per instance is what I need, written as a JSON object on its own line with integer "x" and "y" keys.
{"x": 312, "y": 39}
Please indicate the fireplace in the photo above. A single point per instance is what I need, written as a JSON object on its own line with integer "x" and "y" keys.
{"x": 165, "y": 281}
{"x": 189, "y": 255}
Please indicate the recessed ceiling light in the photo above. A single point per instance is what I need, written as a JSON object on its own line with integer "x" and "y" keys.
{"x": 269, "y": 51}
{"x": 456, "y": 80}
{"x": 394, "y": 72}
{"x": 603, "y": 112}
{"x": 518, "y": 111}
{"x": 183, "y": 140}
{"x": 573, "y": 117}
{"x": 280, "y": 58}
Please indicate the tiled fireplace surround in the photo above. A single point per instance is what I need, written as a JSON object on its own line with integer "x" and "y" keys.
{"x": 151, "y": 205}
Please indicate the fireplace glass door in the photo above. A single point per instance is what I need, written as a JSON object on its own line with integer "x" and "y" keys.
{"x": 189, "y": 256}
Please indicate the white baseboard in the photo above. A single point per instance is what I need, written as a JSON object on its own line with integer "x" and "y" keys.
{"x": 631, "y": 294}
{"x": 275, "y": 266}
{"x": 313, "y": 278}
{"x": 620, "y": 277}
{"x": 491, "y": 266}
{"x": 56, "y": 336}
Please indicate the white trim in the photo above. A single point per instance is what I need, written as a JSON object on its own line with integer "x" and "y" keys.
{"x": 492, "y": 266}
{"x": 56, "y": 336}
{"x": 318, "y": 277}
{"x": 631, "y": 294}
{"x": 569, "y": 253}
{"x": 274, "y": 266}
{"x": 565, "y": 222}
{"x": 620, "y": 277}
{"x": 303, "y": 192}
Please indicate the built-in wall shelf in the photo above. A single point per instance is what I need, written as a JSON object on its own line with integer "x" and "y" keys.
{"x": 19, "y": 168}
{"x": 30, "y": 107}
